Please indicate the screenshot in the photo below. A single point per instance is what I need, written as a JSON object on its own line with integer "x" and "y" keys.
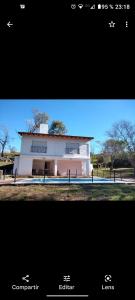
{"x": 67, "y": 180}
{"x": 67, "y": 149}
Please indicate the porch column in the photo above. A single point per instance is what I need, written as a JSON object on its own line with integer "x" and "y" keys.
{"x": 89, "y": 167}
{"x": 88, "y": 170}
{"x": 84, "y": 168}
{"x": 55, "y": 167}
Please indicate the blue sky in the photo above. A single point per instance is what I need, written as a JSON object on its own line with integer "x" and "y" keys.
{"x": 81, "y": 117}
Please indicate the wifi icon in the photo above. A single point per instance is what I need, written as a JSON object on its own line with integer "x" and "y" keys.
{"x": 80, "y": 6}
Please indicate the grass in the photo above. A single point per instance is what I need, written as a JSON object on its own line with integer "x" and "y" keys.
{"x": 92, "y": 192}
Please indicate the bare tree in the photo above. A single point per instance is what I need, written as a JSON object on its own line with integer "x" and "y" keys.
{"x": 30, "y": 125}
{"x": 4, "y": 138}
{"x": 125, "y": 131}
{"x": 38, "y": 118}
{"x": 114, "y": 149}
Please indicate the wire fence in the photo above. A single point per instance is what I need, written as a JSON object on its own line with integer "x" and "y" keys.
{"x": 121, "y": 174}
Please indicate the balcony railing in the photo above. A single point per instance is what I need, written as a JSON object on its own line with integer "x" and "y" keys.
{"x": 39, "y": 149}
{"x": 72, "y": 151}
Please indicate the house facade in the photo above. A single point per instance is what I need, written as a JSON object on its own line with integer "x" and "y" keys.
{"x": 42, "y": 153}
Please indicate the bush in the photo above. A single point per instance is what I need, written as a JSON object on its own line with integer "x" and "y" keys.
{"x": 122, "y": 163}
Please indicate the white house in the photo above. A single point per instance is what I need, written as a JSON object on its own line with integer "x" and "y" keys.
{"x": 53, "y": 154}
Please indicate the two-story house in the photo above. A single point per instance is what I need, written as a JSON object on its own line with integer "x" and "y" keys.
{"x": 55, "y": 154}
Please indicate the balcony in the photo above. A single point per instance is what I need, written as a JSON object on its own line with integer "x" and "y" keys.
{"x": 38, "y": 149}
{"x": 72, "y": 150}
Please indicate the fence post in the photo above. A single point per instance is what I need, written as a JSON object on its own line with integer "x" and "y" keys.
{"x": 69, "y": 176}
{"x": 76, "y": 172}
{"x": 114, "y": 175}
{"x": 92, "y": 175}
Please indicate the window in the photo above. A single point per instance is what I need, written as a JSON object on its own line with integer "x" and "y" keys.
{"x": 72, "y": 148}
{"x": 39, "y": 147}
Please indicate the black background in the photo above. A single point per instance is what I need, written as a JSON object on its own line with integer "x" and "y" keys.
{"x": 58, "y": 58}
{"x": 53, "y": 54}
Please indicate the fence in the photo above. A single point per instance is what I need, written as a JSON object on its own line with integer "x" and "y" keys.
{"x": 120, "y": 174}
{"x": 73, "y": 174}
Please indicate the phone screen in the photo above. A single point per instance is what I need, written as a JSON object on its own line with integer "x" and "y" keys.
{"x": 67, "y": 149}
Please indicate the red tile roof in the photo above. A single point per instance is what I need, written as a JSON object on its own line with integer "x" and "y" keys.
{"x": 55, "y": 135}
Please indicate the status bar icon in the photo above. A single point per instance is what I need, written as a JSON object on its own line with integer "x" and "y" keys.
{"x": 22, "y": 6}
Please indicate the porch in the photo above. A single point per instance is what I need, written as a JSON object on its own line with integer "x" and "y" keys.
{"x": 59, "y": 167}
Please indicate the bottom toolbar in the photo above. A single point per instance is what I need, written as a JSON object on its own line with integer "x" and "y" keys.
{"x": 68, "y": 284}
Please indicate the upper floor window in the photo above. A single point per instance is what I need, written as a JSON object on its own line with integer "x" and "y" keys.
{"x": 39, "y": 146}
{"x": 72, "y": 148}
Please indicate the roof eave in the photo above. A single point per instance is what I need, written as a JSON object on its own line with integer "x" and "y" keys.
{"x": 54, "y": 135}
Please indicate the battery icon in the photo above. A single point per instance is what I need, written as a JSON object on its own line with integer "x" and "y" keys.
{"x": 99, "y": 6}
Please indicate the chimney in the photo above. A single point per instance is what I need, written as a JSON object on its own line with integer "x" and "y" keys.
{"x": 43, "y": 128}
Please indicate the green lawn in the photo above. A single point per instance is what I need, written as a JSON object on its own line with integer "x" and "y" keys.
{"x": 91, "y": 192}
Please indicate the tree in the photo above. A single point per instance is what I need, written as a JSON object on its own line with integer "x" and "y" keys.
{"x": 57, "y": 127}
{"x": 4, "y": 138}
{"x": 125, "y": 131}
{"x": 114, "y": 149}
{"x": 38, "y": 118}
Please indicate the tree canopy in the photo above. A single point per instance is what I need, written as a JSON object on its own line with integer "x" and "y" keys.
{"x": 57, "y": 127}
{"x": 123, "y": 131}
{"x": 122, "y": 140}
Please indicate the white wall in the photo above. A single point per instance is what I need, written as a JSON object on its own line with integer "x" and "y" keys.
{"x": 16, "y": 164}
{"x": 55, "y": 147}
{"x": 25, "y": 165}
